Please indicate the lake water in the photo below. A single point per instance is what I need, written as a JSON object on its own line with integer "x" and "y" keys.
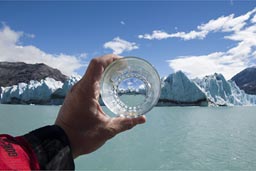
{"x": 174, "y": 138}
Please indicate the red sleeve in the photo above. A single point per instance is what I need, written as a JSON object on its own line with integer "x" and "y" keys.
{"x": 16, "y": 154}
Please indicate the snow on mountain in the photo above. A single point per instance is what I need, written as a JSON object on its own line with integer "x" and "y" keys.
{"x": 178, "y": 89}
{"x": 222, "y": 92}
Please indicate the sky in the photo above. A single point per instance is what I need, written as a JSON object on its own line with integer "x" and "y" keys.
{"x": 196, "y": 37}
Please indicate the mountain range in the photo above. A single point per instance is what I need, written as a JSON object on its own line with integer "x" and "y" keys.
{"x": 49, "y": 86}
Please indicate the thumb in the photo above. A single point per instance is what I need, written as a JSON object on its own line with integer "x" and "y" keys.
{"x": 122, "y": 124}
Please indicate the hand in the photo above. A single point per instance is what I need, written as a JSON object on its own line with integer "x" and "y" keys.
{"x": 82, "y": 117}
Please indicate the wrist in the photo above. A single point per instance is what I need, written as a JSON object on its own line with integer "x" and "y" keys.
{"x": 52, "y": 148}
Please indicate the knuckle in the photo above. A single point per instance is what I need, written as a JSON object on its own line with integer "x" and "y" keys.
{"x": 95, "y": 61}
{"x": 129, "y": 126}
{"x": 110, "y": 132}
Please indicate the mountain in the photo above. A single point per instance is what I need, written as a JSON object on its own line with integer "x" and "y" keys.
{"x": 246, "y": 80}
{"x": 12, "y": 73}
{"x": 221, "y": 92}
{"x": 178, "y": 89}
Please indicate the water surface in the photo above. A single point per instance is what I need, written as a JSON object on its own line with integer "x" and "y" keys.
{"x": 174, "y": 138}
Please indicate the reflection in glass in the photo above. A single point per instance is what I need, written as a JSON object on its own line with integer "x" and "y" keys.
{"x": 130, "y": 87}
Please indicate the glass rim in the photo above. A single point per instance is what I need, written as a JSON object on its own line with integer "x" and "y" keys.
{"x": 158, "y": 87}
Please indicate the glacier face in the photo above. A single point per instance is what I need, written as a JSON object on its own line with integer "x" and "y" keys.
{"x": 37, "y": 92}
{"x": 62, "y": 91}
{"x": 34, "y": 91}
{"x": 178, "y": 89}
{"x": 222, "y": 92}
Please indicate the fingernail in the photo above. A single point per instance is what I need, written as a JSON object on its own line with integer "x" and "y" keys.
{"x": 142, "y": 119}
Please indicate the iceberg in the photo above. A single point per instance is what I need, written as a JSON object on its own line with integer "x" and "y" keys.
{"x": 221, "y": 92}
{"x": 178, "y": 89}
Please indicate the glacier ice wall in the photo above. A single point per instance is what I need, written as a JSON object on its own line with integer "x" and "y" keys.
{"x": 224, "y": 93}
{"x": 46, "y": 91}
{"x": 178, "y": 89}
{"x": 33, "y": 92}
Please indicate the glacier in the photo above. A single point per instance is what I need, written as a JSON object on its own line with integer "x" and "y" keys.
{"x": 46, "y": 91}
{"x": 221, "y": 92}
{"x": 178, "y": 89}
{"x": 211, "y": 90}
{"x": 33, "y": 92}
{"x": 61, "y": 92}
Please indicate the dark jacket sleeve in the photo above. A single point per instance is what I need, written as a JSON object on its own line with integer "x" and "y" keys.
{"x": 46, "y": 148}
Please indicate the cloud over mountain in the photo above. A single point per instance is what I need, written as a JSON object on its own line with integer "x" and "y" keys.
{"x": 12, "y": 50}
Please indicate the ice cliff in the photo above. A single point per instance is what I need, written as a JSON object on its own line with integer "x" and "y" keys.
{"x": 62, "y": 91}
{"x": 178, "y": 89}
{"x": 221, "y": 92}
{"x": 46, "y": 91}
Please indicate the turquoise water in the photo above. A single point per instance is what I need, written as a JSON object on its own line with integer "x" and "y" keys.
{"x": 174, "y": 138}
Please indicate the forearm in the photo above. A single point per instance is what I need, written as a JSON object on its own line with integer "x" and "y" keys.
{"x": 45, "y": 148}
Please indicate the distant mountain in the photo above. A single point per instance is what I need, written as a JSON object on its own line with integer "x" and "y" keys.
{"x": 246, "y": 80}
{"x": 12, "y": 73}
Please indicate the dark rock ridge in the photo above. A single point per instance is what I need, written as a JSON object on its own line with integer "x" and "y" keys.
{"x": 12, "y": 73}
{"x": 246, "y": 80}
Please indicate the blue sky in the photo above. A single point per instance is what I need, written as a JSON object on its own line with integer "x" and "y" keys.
{"x": 197, "y": 37}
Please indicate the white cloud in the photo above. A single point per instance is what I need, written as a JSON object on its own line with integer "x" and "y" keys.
{"x": 253, "y": 20}
{"x": 241, "y": 29}
{"x": 191, "y": 35}
{"x": 228, "y": 23}
{"x": 156, "y": 34}
{"x": 83, "y": 55}
{"x": 199, "y": 66}
{"x": 142, "y": 86}
{"x": 159, "y": 35}
{"x": 12, "y": 50}
{"x": 122, "y": 22}
{"x": 119, "y": 45}
{"x": 9, "y": 37}
{"x": 223, "y": 24}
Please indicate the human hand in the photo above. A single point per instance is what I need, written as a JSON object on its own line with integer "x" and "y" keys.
{"x": 82, "y": 117}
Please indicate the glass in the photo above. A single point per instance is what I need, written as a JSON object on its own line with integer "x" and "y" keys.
{"x": 130, "y": 87}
